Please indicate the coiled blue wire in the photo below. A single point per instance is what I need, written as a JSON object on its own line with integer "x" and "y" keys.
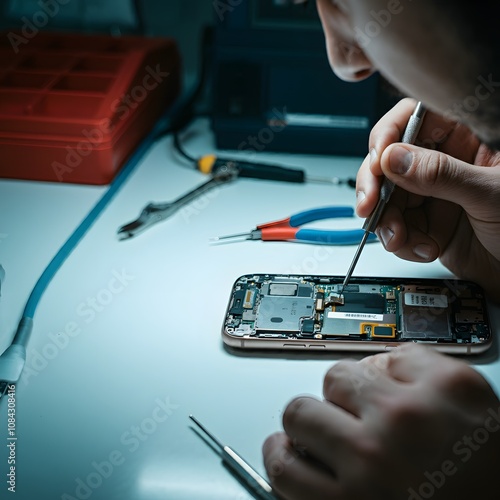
{"x": 22, "y": 335}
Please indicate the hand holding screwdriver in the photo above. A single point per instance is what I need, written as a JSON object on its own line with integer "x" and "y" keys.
{"x": 386, "y": 190}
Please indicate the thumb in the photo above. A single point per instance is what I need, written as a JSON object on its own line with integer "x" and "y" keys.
{"x": 431, "y": 173}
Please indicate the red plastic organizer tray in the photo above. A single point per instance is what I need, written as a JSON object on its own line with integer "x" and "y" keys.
{"x": 73, "y": 107}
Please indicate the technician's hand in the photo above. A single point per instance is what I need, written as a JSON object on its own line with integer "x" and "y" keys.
{"x": 448, "y": 206}
{"x": 410, "y": 424}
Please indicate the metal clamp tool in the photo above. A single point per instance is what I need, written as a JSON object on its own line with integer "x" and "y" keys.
{"x": 157, "y": 212}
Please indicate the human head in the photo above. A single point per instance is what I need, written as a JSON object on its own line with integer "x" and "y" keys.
{"x": 445, "y": 53}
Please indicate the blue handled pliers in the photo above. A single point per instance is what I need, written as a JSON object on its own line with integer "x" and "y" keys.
{"x": 289, "y": 229}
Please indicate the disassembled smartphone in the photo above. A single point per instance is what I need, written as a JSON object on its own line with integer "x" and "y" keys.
{"x": 268, "y": 311}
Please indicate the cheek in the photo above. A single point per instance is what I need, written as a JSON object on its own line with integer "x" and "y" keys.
{"x": 335, "y": 22}
{"x": 426, "y": 81}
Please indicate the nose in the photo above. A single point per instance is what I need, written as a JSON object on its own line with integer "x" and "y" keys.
{"x": 349, "y": 62}
{"x": 347, "y": 58}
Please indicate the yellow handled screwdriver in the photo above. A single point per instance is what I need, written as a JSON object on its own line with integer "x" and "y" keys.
{"x": 255, "y": 170}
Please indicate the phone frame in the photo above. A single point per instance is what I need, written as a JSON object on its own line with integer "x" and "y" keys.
{"x": 369, "y": 346}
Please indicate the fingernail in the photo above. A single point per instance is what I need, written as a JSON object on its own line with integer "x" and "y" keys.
{"x": 360, "y": 196}
{"x": 400, "y": 160}
{"x": 423, "y": 251}
{"x": 373, "y": 156}
{"x": 385, "y": 234}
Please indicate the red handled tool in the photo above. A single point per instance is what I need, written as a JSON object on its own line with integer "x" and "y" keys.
{"x": 289, "y": 229}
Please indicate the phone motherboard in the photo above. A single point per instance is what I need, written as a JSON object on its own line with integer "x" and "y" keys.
{"x": 374, "y": 309}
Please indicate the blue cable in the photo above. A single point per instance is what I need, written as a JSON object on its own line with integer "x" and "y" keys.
{"x": 26, "y": 322}
{"x": 13, "y": 359}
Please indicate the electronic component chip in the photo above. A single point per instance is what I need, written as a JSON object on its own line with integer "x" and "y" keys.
{"x": 320, "y": 301}
{"x": 237, "y": 303}
{"x": 383, "y": 331}
{"x": 352, "y": 323}
{"x": 283, "y": 313}
{"x": 248, "y": 315}
{"x": 469, "y": 316}
{"x": 424, "y": 315}
{"x": 349, "y": 288}
{"x": 288, "y": 289}
{"x": 282, "y": 306}
{"x": 307, "y": 326}
{"x": 362, "y": 303}
{"x": 472, "y": 303}
{"x": 249, "y": 299}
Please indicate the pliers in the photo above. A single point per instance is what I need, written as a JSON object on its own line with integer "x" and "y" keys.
{"x": 156, "y": 212}
{"x": 289, "y": 229}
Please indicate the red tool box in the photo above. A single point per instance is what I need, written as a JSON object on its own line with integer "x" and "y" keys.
{"x": 73, "y": 107}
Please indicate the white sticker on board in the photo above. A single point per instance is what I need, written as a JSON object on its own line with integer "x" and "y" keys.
{"x": 426, "y": 300}
{"x": 361, "y": 316}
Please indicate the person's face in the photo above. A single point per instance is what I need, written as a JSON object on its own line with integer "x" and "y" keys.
{"x": 413, "y": 45}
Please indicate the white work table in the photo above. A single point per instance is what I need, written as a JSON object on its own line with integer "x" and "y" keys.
{"x": 127, "y": 338}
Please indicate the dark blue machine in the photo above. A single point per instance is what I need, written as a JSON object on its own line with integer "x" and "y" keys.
{"x": 274, "y": 90}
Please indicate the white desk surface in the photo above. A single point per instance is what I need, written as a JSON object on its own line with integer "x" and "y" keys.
{"x": 157, "y": 338}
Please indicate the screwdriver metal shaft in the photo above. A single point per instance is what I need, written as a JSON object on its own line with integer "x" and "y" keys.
{"x": 386, "y": 190}
{"x": 255, "y": 482}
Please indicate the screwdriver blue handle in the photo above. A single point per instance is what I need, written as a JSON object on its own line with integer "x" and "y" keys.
{"x": 336, "y": 237}
{"x": 315, "y": 214}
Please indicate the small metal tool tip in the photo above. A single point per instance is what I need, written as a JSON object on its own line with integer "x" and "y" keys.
{"x": 340, "y": 300}
{"x": 323, "y": 180}
{"x": 195, "y": 420}
{"x": 124, "y": 235}
{"x": 420, "y": 110}
{"x": 229, "y": 237}
{"x": 209, "y": 434}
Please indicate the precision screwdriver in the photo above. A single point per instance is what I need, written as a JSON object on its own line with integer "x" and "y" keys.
{"x": 255, "y": 482}
{"x": 386, "y": 190}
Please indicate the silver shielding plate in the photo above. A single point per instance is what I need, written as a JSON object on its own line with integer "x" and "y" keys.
{"x": 283, "y": 313}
